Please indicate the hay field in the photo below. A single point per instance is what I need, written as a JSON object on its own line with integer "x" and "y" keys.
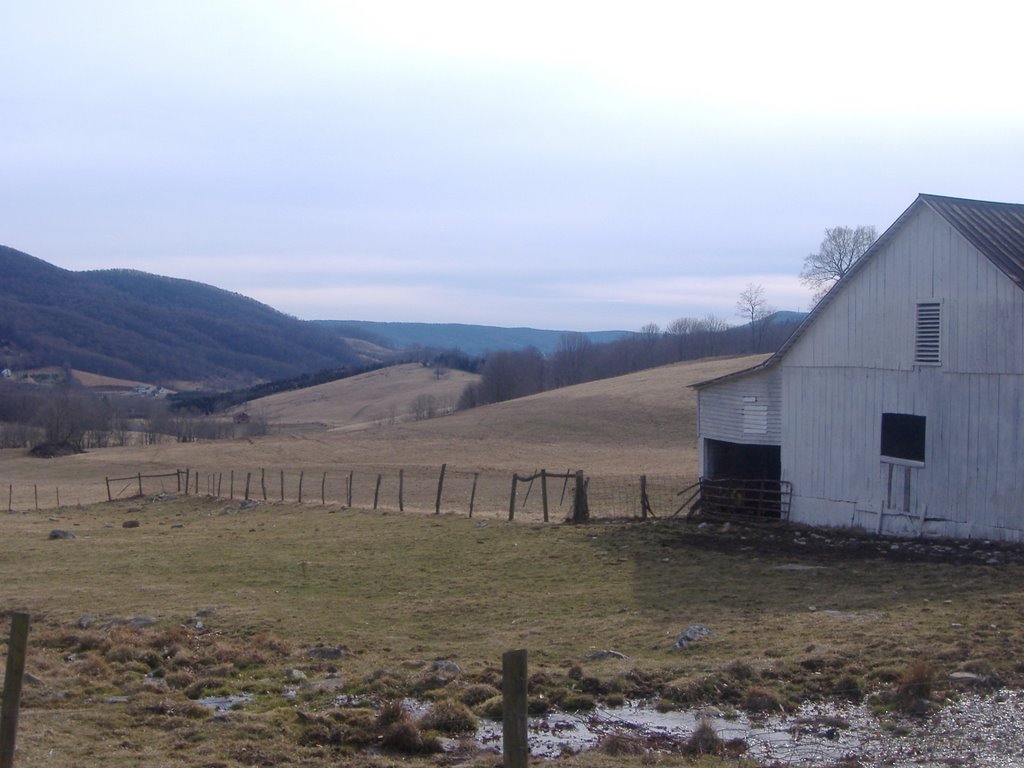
{"x": 363, "y": 401}
{"x": 642, "y": 423}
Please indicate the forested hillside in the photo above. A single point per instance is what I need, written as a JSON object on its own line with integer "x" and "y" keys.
{"x": 471, "y": 339}
{"x": 136, "y": 325}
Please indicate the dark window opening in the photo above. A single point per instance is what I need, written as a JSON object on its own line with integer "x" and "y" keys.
{"x": 903, "y": 436}
{"x": 736, "y": 460}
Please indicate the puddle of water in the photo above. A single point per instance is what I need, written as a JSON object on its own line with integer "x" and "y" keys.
{"x": 225, "y": 703}
{"x": 793, "y": 740}
{"x": 982, "y": 731}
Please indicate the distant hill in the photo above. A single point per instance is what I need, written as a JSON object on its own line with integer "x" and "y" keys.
{"x": 135, "y": 325}
{"x": 381, "y": 397}
{"x": 471, "y": 339}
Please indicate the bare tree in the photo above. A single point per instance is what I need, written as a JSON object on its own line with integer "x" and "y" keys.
{"x": 754, "y": 308}
{"x": 571, "y": 358}
{"x": 839, "y": 250}
{"x": 424, "y": 407}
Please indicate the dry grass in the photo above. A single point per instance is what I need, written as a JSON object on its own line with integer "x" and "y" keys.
{"x": 361, "y": 402}
{"x": 643, "y": 423}
{"x": 394, "y": 594}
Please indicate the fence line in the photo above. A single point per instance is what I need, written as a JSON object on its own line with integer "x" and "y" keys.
{"x": 534, "y": 496}
{"x": 539, "y": 495}
{"x": 29, "y": 498}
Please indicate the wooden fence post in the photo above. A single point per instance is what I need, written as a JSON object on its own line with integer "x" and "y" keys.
{"x": 544, "y": 491}
{"x": 515, "y": 746}
{"x": 231, "y": 485}
{"x": 512, "y": 498}
{"x": 376, "y": 492}
{"x": 16, "y": 652}
{"x": 109, "y": 497}
{"x": 323, "y": 489}
{"x": 301, "y": 473}
{"x": 188, "y": 482}
{"x": 220, "y": 479}
{"x": 351, "y": 481}
{"x": 580, "y": 506}
{"x": 401, "y": 490}
{"x": 177, "y": 476}
{"x": 263, "y": 482}
{"x": 472, "y": 493}
{"x": 58, "y": 497}
{"x": 248, "y": 478}
{"x": 197, "y": 482}
{"x": 440, "y": 487}
{"x": 645, "y": 501}
{"x": 282, "y": 485}
{"x": 35, "y": 491}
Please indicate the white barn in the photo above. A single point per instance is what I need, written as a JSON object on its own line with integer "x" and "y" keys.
{"x": 898, "y": 405}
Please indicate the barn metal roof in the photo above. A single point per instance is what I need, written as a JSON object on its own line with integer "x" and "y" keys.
{"x": 995, "y": 229}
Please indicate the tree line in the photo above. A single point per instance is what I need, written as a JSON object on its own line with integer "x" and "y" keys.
{"x": 516, "y": 373}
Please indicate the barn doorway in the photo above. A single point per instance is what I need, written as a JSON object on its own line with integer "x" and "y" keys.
{"x": 744, "y": 479}
{"x": 741, "y": 461}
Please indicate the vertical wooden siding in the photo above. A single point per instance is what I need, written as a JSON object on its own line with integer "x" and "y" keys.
{"x": 856, "y": 362}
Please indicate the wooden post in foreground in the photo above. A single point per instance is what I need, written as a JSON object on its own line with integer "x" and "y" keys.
{"x": 515, "y": 746}
{"x": 109, "y": 497}
{"x": 282, "y": 486}
{"x": 348, "y": 490}
{"x": 323, "y": 489}
{"x": 401, "y": 490}
{"x": 248, "y": 478}
{"x": 35, "y": 491}
{"x": 263, "y": 482}
{"x": 188, "y": 481}
{"x": 376, "y": 493}
{"x": 440, "y": 487}
{"x": 301, "y": 474}
{"x": 16, "y": 651}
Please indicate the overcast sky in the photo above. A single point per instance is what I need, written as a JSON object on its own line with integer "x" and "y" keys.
{"x": 567, "y": 165}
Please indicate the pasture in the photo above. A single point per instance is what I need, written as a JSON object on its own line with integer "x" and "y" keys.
{"x": 319, "y": 615}
{"x": 242, "y": 598}
{"x": 643, "y": 423}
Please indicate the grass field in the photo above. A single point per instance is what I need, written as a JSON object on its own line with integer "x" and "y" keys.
{"x": 643, "y": 423}
{"x": 398, "y": 593}
{"x": 295, "y": 605}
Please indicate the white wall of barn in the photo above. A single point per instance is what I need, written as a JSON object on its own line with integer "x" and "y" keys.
{"x": 736, "y": 410}
{"x": 856, "y": 361}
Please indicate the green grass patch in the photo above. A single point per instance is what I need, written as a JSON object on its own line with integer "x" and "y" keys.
{"x": 426, "y": 605}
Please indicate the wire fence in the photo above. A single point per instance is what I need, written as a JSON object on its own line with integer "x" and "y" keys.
{"x": 449, "y": 490}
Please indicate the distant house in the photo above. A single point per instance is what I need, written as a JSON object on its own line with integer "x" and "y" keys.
{"x": 897, "y": 406}
{"x": 242, "y": 418}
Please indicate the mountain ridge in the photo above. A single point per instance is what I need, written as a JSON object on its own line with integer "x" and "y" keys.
{"x": 133, "y": 324}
